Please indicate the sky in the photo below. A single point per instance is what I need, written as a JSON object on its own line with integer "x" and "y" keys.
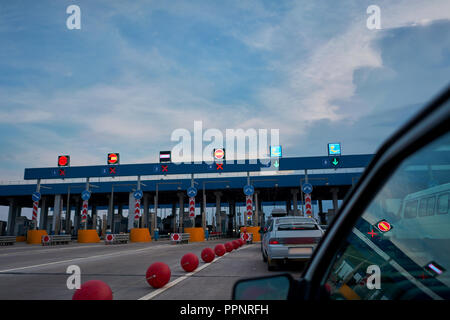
{"x": 138, "y": 70}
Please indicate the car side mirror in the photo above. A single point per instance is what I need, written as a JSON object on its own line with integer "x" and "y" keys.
{"x": 278, "y": 287}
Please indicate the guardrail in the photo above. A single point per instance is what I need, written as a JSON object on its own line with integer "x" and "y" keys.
{"x": 115, "y": 238}
{"x": 216, "y": 235}
{"x": 164, "y": 237}
{"x": 56, "y": 239}
{"x": 182, "y": 238}
{"x": 7, "y": 240}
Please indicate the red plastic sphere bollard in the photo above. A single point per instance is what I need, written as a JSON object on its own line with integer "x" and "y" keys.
{"x": 93, "y": 290}
{"x": 236, "y": 244}
{"x": 242, "y": 242}
{"x": 158, "y": 274}
{"x": 189, "y": 262}
{"x": 229, "y": 246}
{"x": 219, "y": 250}
{"x": 208, "y": 255}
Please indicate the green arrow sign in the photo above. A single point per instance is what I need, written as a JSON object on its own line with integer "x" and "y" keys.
{"x": 335, "y": 161}
{"x": 276, "y": 164}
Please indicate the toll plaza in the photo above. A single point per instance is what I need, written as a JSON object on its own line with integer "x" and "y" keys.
{"x": 74, "y": 195}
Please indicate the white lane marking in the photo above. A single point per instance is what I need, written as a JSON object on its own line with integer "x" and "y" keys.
{"x": 124, "y": 252}
{"x": 153, "y": 294}
{"x": 38, "y": 250}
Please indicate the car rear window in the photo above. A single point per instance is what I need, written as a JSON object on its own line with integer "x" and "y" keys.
{"x": 297, "y": 226}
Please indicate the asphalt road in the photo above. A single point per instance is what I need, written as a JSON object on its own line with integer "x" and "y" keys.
{"x": 35, "y": 272}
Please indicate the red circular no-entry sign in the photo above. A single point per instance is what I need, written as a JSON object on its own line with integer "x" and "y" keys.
{"x": 113, "y": 158}
{"x": 384, "y": 226}
{"x": 175, "y": 237}
{"x": 219, "y": 154}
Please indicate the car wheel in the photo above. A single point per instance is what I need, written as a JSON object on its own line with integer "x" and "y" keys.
{"x": 271, "y": 265}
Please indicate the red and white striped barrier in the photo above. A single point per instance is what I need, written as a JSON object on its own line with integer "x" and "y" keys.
{"x": 84, "y": 211}
{"x": 249, "y": 204}
{"x": 109, "y": 238}
{"x": 35, "y": 210}
{"x": 247, "y": 237}
{"x": 308, "y": 207}
{"x": 192, "y": 207}
{"x": 175, "y": 237}
{"x": 137, "y": 209}
{"x": 45, "y": 239}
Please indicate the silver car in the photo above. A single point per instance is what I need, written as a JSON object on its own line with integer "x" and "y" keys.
{"x": 290, "y": 238}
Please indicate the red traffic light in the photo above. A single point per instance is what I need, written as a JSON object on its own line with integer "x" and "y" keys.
{"x": 113, "y": 158}
{"x": 63, "y": 161}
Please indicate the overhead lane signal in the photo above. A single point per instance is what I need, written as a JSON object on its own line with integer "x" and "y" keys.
{"x": 335, "y": 161}
{"x": 63, "y": 161}
{"x": 113, "y": 158}
{"x": 219, "y": 154}
{"x": 165, "y": 156}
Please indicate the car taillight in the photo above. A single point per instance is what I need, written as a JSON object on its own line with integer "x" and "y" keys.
{"x": 274, "y": 241}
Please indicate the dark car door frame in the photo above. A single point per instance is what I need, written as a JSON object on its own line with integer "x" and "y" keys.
{"x": 431, "y": 123}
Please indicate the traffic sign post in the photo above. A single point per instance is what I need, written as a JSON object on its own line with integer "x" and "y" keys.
{"x": 249, "y": 190}
{"x": 138, "y": 194}
{"x": 84, "y": 213}
{"x": 308, "y": 207}
{"x": 86, "y": 195}
{"x": 307, "y": 188}
{"x": 137, "y": 209}
{"x": 192, "y": 207}
{"x": 36, "y": 196}
{"x": 248, "y": 208}
{"x": 191, "y": 192}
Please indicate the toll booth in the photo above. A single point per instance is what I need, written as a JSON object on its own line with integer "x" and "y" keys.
{"x": 120, "y": 224}
{"x": 330, "y": 215}
{"x": 3, "y": 228}
{"x": 21, "y": 226}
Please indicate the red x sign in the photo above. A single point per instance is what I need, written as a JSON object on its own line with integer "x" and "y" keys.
{"x": 219, "y": 166}
{"x": 62, "y": 172}
{"x": 164, "y": 169}
{"x": 112, "y": 170}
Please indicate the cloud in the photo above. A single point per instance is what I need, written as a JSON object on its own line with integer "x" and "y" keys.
{"x": 321, "y": 85}
{"x": 300, "y": 67}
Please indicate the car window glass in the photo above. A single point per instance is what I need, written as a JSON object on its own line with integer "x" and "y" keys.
{"x": 443, "y": 204}
{"x": 297, "y": 226}
{"x": 399, "y": 248}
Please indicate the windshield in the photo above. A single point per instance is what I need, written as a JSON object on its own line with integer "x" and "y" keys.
{"x": 134, "y": 132}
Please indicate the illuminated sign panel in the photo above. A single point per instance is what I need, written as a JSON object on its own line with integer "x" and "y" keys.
{"x": 63, "y": 161}
{"x": 275, "y": 151}
{"x": 219, "y": 154}
{"x": 113, "y": 158}
{"x": 334, "y": 149}
{"x": 164, "y": 156}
